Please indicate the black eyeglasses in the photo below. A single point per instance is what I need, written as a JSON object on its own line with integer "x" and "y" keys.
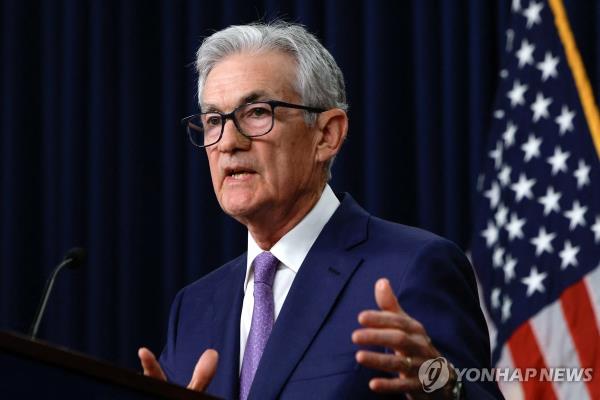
{"x": 251, "y": 120}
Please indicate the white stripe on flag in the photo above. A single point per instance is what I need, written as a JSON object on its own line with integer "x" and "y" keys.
{"x": 592, "y": 283}
{"x": 510, "y": 390}
{"x": 556, "y": 344}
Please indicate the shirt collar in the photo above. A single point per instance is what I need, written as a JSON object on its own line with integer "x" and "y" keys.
{"x": 293, "y": 247}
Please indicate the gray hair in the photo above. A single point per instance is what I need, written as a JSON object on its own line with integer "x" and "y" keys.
{"x": 319, "y": 80}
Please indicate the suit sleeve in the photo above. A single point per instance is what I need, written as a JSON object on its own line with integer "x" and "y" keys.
{"x": 439, "y": 290}
{"x": 167, "y": 357}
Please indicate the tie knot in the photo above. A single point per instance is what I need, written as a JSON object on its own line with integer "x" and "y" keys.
{"x": 265, "y": 265}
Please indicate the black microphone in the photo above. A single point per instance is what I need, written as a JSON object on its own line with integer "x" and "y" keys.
{"x": 72, "y": 260}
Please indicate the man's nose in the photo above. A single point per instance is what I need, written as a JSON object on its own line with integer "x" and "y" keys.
{"x": 232, "y": 139}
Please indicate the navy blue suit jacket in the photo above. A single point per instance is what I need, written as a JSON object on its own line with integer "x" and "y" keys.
{"x": 310, "y": 353}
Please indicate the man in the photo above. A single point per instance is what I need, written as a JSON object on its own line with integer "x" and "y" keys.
{"x": 304, "y": 313}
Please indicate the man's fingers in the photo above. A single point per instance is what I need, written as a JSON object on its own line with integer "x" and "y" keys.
{"x": 385, "y": 297}
{"x": 204, "y": 371}
{"x": 150, "y": 365}
{"x": 389, "y": 319}
{"x": 395, "y": 385}
{"x": 385, "y": 362}
{"x": 390, "y": 338}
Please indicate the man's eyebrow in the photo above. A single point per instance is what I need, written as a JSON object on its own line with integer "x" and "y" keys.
{"x": 248, "y": 98}
{"x": 254, "y": 96}
{"x": 207, "y": 107}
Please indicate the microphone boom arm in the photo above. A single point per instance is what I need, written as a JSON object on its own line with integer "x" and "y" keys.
{"x": 44, "y": 301}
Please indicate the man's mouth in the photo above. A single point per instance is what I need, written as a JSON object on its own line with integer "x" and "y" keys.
{"x": 238, "y": 173}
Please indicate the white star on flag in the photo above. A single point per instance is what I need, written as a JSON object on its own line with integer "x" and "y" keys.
{"x": 540, "y": 107}
{"x": 515, "y": 227}
{"x": 565, "y": 120}
{"x": 582, "y": 174}
{"x": 496, "y": 155}
{"x": 490, "y": 234}
{"x": 525, "y": 53}
{"x": 576, "y": 215}
{"x": 501, "y": 215}
{"x": 532, "y": 13}
{"x": 568, "y": 255}
{"x": 495, "y": 297}
{"x": 510, "y": 36}
{"x": 548, "y": 66}
{"x": 509, "y": 268}
{"x": 543, "y": 242}
{"x": 523, "y": 187}
{"x": 504, "y": 175}
{"x": 516, "y": 5}
{"x": 509, "y": 134}
{"x": 550, "y": 201}
{"x": 531, "y": 147}
{"x": 498, "y": 257}
{"x": 493, "y": 194}
{"x": 517, "y": 94}
{"x": 506, "y": 305}
{"x": 558, "y": 160}
{"x": 596, "y": 229}
{"x": 535, "y": 281}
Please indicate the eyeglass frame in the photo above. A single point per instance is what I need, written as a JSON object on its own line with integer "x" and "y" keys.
{"x": 231, "y": 115}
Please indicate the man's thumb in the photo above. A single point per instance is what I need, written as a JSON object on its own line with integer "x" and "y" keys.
{"x": 385, "y": 297}
{"x": 205, "y": 369}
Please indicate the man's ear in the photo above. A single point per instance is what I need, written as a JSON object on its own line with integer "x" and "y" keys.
{"x": 333, "y": 128}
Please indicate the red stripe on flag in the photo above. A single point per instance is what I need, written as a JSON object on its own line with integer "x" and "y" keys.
{"x": 526, "y": 353}
{"x": 581, "y": 320}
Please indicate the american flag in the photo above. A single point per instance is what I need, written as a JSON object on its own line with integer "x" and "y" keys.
{"x": 536, "y": 243}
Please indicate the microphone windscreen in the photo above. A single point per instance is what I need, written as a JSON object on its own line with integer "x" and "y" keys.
{"x": 77, "y": 256}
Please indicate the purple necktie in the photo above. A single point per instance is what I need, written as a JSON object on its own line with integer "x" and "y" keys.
{"x": 263, "y": 317}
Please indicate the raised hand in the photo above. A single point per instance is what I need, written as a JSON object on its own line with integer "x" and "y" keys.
{"x": 391, "y": 327}
{"x": 203, "y": 372}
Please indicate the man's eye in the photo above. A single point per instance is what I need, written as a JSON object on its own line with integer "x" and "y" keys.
{"x": 213, "y": 120}
{"x": 258, "y": 112}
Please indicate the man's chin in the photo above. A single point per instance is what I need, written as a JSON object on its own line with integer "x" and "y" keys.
{"x": 239, "y": 209}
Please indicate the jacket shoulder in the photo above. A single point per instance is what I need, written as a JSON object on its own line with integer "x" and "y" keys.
{"x": 224, "y": 272}
{"x": 391, "y": 234}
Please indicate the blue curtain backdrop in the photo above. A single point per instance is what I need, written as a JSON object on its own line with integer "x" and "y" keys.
{"x": 92, "y": 153}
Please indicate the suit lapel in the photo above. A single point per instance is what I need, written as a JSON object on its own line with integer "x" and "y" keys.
{"x": 227, "y": 302}
{"x": 323, "y": 275}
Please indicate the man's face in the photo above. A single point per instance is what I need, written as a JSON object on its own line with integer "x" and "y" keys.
{"x": 263, "y": 179}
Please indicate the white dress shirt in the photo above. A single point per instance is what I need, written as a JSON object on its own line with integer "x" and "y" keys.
{"x": 290, "y": 250}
